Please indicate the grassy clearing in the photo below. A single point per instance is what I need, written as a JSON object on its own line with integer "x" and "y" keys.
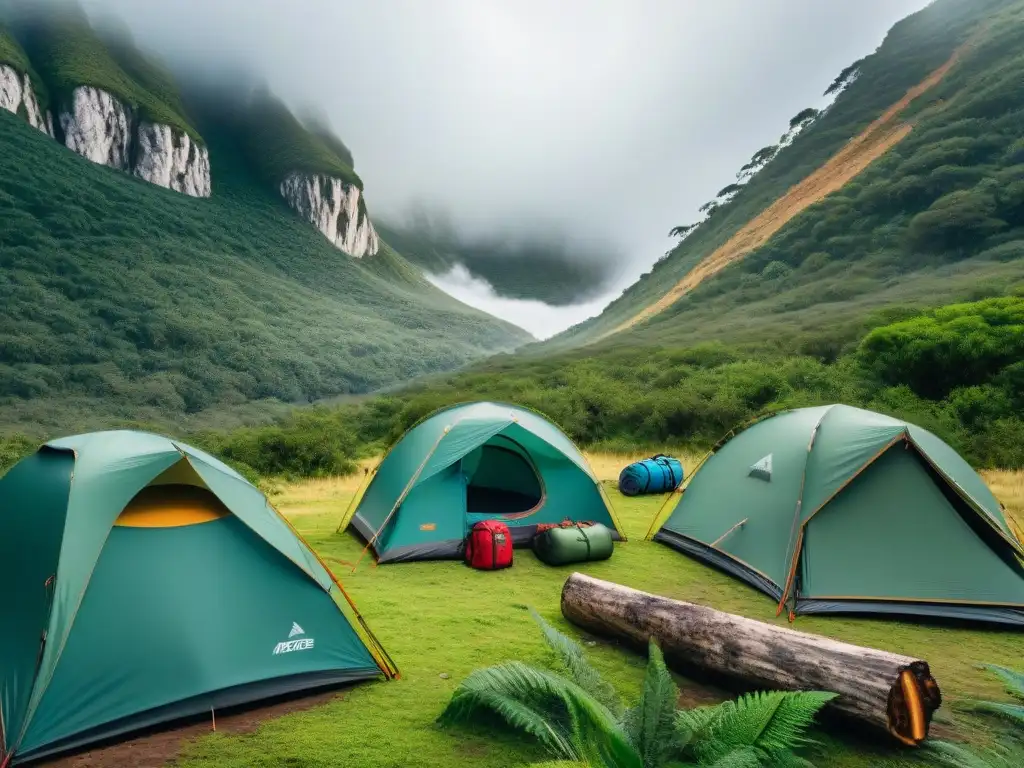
{"x": 442, "y": 618}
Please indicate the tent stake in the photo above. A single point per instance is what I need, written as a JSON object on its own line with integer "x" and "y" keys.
{"x": 213, "y": 717}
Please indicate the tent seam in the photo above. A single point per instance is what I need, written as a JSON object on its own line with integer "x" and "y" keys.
{"x": 405, "y": 491}
{"x": 796, "y": 535}
{"x": 929, "y": 600}
{"x": 298, "y": 565}
{"x": 31, "y": 710}
{"x": 966, "y": 497}
{"x": 803, "y": 526}
{"x": 391, "y": 670}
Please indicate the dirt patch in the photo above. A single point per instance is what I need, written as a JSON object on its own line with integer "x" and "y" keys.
{"x": 157, "y": 748}
{"x": 858, "y": 153}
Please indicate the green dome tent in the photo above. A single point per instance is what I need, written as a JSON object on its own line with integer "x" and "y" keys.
{"x": 469, "y": 463}
{"x": 838, "y": 509}
{"x": 143, "y": 581}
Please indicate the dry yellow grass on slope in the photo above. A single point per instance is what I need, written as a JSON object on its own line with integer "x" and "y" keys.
{"x": 854, "y": 157}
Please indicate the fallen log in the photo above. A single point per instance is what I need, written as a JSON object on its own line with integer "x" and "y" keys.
{"x": 884, "y": 690}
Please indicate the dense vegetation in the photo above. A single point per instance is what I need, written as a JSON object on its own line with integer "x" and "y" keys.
{"x": 277, "y": 144}
{"x": 859, "y": 241}
{"x": 121, "y": 299}
{"x": 956, "y": 371}
{"x": 13, "y": 54}
{"x": 571, "y": 273}
{"x": 69, "y": 53}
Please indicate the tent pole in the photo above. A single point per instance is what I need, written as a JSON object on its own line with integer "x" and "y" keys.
{"x": 347, "y": 517}
{"x": 388, "y": 666}
{"x": 796, "y": 531}
{"x": 611, "y": 510}
{"x": 405, "y": 492}
{"x": 659, "y": 515}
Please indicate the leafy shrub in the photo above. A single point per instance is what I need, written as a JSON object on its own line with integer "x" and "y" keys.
{"x": 956, "y": 346}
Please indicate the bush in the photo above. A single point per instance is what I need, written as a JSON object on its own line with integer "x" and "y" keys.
{"x": 956, "y": 346}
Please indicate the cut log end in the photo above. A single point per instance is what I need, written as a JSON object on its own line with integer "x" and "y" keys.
{"x": 913, "y": 699}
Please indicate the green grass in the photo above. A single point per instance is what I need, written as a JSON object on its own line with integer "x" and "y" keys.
{"x": 443, "y": 618}
{"x": 279, "y": 145}
{"x": 122, "y": 300}
{"x": 13, "y": 54}
{"x": 69, "y": 54}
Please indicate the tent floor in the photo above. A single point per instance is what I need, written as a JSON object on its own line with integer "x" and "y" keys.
{"x": 162, "y": 744}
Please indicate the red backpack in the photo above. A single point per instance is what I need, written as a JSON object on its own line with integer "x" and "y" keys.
{"x": 489, "y": 546}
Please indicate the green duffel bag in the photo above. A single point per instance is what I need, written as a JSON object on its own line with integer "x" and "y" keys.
{"x": 558, "y": 546}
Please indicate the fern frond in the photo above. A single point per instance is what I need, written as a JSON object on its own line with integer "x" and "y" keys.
{"x": 773, "y": 722}
{"x": 1013, "y": 680}
{"x": 528, "y": 704}
{"x": 569, "y": 722}
{"x": 570, "y": 653}
{"x": 651, "y": 725}
{"x": 747, "y": 757}
{"x": 693, "y": 724}
{"x": 1012, "y": 712}
{"x": 944, "y": 754}
{"x": 793, "y": 717}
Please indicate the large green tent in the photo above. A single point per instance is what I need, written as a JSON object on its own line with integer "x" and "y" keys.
{"x": 143, "y": 581}
{"x": 475, "y": 462}
{"x": 838, "y": 509}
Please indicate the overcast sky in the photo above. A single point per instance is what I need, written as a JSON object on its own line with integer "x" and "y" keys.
{"x": 613, "y": 119}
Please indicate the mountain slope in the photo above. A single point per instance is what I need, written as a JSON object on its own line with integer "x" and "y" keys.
{"x": 69, "y": 54}
{"x": 122, "y": 298}
{"x": 925, "y": 75}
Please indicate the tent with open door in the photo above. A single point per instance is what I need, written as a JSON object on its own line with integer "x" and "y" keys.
{"x": 476, "y": 462}
{"x": 838, "y": 509}
{"x": 143, "y": 581}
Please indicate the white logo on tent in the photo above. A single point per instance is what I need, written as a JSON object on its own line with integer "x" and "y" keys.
{"x": 289, "y": 645}
{"x": 762, "y": 469}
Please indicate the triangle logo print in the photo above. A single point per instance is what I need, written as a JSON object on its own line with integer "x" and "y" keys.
{"x": 296, "y": 630}
{"x": 762, "y": 469}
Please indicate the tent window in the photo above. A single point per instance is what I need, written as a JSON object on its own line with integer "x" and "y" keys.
{"x": 500, "y": 480}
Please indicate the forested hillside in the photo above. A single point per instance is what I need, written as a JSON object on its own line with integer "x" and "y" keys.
{"x": 936, "y": 218}
{"x": 119, "y": 299}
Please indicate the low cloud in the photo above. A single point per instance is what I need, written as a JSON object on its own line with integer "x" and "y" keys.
{"x": 540, "y": 319}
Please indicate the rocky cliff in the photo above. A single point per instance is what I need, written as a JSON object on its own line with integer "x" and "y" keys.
{"x": 18, "y": 95}
{"x": 173, "y": 160}
{"x": 334, "y": 208}
{"x": 102, "y": 129}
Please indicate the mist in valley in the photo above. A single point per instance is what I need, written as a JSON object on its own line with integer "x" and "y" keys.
{"x": 592, "y": 125}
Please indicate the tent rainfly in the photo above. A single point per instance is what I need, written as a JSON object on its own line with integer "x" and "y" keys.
{"x": 475, "y": 462}
{"x": 145, "y": 581}
{"x": 836, "y": 509}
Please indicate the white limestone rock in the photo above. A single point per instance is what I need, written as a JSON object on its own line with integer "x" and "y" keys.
{"x": 332, "y": 206}
{"x": 98, "y": 127}
{"x": 10, "y": 89}
{"x": 101, "y": 128}
{"x": 16, "y": 92}
{"x": 172, "y": 159}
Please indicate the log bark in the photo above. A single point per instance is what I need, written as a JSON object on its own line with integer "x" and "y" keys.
{"x": 884, "y": 690}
